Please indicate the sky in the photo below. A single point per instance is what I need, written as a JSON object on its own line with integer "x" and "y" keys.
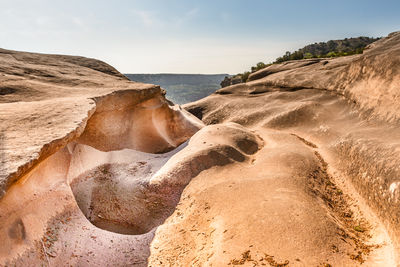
{"x": 187, "y": 36}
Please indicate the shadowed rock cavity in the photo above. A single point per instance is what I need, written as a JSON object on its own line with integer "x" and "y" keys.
{"x": 7, "y": 90}
{"x": 116, "y": 162}
{"x": 151, "y": 126}
{"x": 134, "y": 197}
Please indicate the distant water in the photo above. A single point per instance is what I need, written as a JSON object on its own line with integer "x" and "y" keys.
{"x": 182, "y": 88}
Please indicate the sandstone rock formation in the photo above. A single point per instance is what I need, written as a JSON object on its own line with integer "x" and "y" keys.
{"x": 62, "y": 119}
{"x": 343, "y": 109}
{"x": 297, "y": 167}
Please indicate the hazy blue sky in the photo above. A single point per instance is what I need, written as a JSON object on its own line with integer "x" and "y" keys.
{"x": 185, "y": 36}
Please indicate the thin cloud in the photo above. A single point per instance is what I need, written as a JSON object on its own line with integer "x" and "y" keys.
{"x": 153, "y": 19}
{"x": 147, "y": 18}
{"x": 190, "y": 14}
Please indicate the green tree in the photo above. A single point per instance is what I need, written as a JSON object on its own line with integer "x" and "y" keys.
{"x": 331, "y": 54}
{"x": 259, "y": 66}
{"x": 308, "y": 55}
{"x": 245, "y": 76}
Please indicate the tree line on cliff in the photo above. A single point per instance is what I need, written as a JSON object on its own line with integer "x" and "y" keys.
{"x": 332, "y": 48}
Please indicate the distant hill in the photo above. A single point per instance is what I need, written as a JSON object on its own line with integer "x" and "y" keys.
{"x": 331, "y": 48}
{"x": 183, "y": 88}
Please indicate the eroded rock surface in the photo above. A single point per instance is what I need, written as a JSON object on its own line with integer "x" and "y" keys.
{"x": 344, "y": 110}
{"x": 298, "y": 167}
{"x": 79, "y": 117}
